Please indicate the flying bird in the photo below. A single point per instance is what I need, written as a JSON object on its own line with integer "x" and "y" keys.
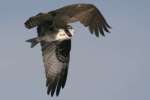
{"x": 55, "y": 34}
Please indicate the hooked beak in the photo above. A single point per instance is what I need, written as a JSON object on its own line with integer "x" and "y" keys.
{"x": 69, "y": 32}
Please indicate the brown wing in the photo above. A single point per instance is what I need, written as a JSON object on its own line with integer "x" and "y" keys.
{"x": 56, "y": 57}
{"x": 87, "y": 14}
{"x": 37, "y": 20}
{"x": 56, "y": 61}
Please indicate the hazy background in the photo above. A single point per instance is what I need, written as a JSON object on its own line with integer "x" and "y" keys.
{"x": 116, "y": 67}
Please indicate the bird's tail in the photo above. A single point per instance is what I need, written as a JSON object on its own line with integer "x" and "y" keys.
{"x": 33, "y": 41}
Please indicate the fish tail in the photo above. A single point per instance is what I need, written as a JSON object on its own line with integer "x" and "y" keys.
{"x": 33, "y": 41}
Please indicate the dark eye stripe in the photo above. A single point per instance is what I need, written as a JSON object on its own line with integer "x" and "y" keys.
{"x": 68, "y": 33}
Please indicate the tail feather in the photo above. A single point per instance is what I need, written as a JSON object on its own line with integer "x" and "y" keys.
{"x": 33, "y": 41}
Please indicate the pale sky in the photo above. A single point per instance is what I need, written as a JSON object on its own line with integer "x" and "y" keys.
{"x": 115, "y": 67}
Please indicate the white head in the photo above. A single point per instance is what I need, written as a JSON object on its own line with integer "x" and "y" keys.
{"x": 64, "y": 34}
{"x": 71, "y": 31}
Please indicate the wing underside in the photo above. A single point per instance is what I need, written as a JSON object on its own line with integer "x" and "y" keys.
{"x": 56, "y": 62}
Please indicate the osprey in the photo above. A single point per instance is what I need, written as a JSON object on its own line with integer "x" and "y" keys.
{"x": 54, "y": 35}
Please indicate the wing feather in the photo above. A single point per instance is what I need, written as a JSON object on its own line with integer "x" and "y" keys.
{"x": 87, "y": 14}
{"x": 56, "y": 61}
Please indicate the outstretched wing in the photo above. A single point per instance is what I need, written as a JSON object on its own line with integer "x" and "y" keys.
{"x": 38, "y": 20}
{"x": 87, "y": 14}
{"x": 56, "y": 61}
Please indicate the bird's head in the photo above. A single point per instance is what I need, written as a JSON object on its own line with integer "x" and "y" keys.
{"x": 64, "y": 34}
